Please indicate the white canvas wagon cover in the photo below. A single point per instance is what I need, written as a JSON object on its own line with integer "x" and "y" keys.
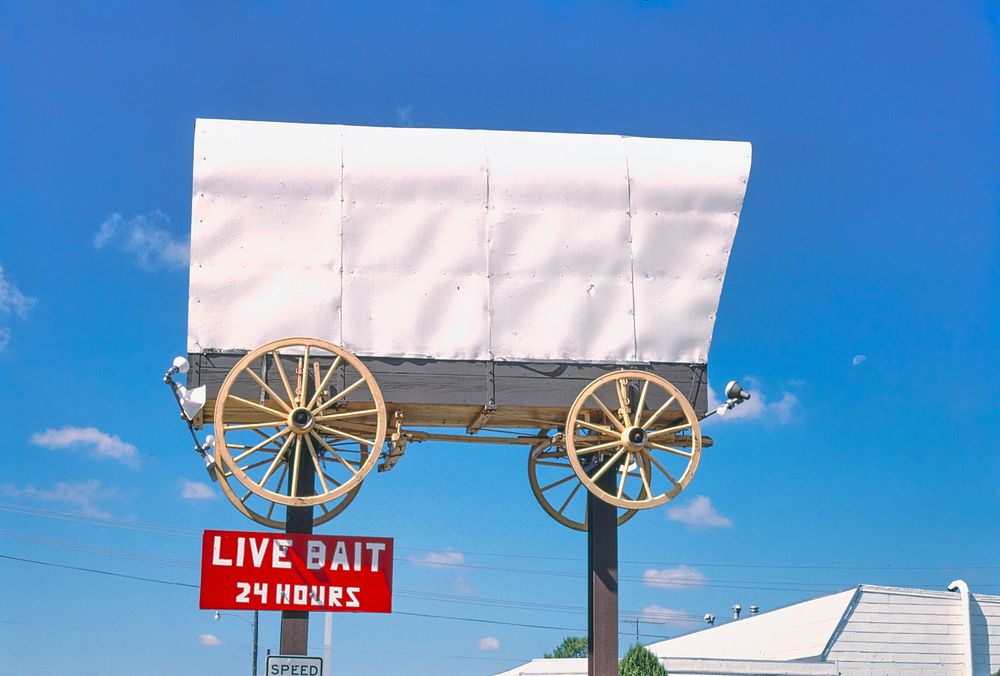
{"x": 459, "y": 244}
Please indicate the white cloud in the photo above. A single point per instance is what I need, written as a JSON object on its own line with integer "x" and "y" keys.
{"x": 404, "y": 116}
{"x": 858, "y": 360}
{"x": 758, "y": 407}
{"x": 447, "y": 557}
{"x": 681, "y": 577}
{"x": 698, "y": 513}
{"x": 196, "y": 490}
{"x": 84, "y": 495}
{"x": 12, "y": 300}
{"x": 489, "y": 643}
{"x": 102, "y": 444}
{"x": 209, "y": 640}
{"x": 668, "y": 616}
{"x": 147, "y": 238}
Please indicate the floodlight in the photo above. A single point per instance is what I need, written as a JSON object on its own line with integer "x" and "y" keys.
{"x": 191, "y": 401}
{"x": 218, "y": 616}
{"x": 735, "y": 391}
{"x": 181, "y": 364}
{"x": 709, "y": 618}
{"x": 736, "y": 611}
{"x": 213, "y": 471}
{"x": 754, "y": 610}
{"x": 735, "y": 395}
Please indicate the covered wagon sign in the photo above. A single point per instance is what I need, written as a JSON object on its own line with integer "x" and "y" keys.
{"x": 282, "y": 571}
{"x": 354, "y": 290}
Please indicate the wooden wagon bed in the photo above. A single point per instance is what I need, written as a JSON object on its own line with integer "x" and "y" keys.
{"x": 463, "y": 394}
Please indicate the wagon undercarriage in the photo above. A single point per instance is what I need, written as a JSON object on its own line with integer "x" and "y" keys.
{"x": 630, "y": 436}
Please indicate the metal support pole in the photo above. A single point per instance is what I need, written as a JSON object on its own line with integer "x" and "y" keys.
{"x": 256, "y": 625}
{"x": 328, "y": 645}
{"x": 295, "y": 623}
{"x": 602, "y": 582}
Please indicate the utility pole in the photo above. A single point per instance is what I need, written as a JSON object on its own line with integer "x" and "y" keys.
{"x": 256, "y": 626}
{"x": 328, "y": 644}
{"x": 253, "y": 627}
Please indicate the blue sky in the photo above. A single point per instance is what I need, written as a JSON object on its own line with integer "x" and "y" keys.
{"x": 860, "y": 304}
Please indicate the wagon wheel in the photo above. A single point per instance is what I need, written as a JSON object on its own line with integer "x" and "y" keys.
{"x": 557, "y": 488}
{"x": 650, "y": 420}
{"x": 299, "y": 402}
{"x": 262, "y": 510}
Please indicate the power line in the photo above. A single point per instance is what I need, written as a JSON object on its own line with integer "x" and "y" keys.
{"x": 512, "y": 624}
{"x": 99, "y": 572}
{"x": 181, "y": 531}
{"x": 96, "y": 630}
{"x": 672, "y": 616}
{"x": 415, "y": 654}
{"x": 194, "y": 586}
{"x": 673, "y": 582}
{"x": 705, "y": 564}
{"x": 676, "y": 582}
{"x": 173, "y": 637}
{"x": 94, "y": 549}
{"x": 128, "y": 524}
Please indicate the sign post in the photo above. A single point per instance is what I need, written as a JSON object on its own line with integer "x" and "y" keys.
{"x": 295, "y": 623}
{"x": 602, "y": 584}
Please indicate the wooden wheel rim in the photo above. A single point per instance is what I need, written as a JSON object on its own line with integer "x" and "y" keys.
{"x": 308, "y": 442}
{"x": 541, "y": 454}
{"x": 225, "y": 476}
{"x": 615, "y": 445}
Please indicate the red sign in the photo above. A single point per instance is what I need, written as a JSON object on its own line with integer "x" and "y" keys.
{"x": 284, "y": 571}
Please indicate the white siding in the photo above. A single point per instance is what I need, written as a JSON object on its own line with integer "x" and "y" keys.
{"x": 985, "y": 634}
{"x": 897, "y": 631}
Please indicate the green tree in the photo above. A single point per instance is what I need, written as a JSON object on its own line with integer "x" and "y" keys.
{"x": 639, "y": 661}
{"x": 572, "y": 646}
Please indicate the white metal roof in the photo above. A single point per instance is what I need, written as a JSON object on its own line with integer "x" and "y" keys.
{"x": 857, "y": 632}
{"x": 461, "y": 244}
{"x": 796, "y": 632}
{"x": 871, "y": 629}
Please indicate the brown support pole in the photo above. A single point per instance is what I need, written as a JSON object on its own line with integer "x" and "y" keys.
{"x": 602, "y": 583}
{"x": 295, "y": 623}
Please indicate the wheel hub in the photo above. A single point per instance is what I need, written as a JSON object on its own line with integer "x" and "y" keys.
{"x": 634, "y": 438}
{"x": 301, "y": 420}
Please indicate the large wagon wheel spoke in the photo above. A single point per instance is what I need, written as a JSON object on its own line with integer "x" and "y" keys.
{"x": 653, "y": 447}
{"x": 262, "y": 510}
{"x": 557, "y": 488}
{"x": 266, "y": 410}
{"x": 337, "y": 456}
{"x": 269, "y": 425}
{"x": 326, "y": 381}
{"x": 607, "y": 412}
{"x": 276, "y": 358}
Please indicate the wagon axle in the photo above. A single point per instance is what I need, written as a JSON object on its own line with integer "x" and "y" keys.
{"x": 301, "y": 420}
{"x": 634, "y": 437}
